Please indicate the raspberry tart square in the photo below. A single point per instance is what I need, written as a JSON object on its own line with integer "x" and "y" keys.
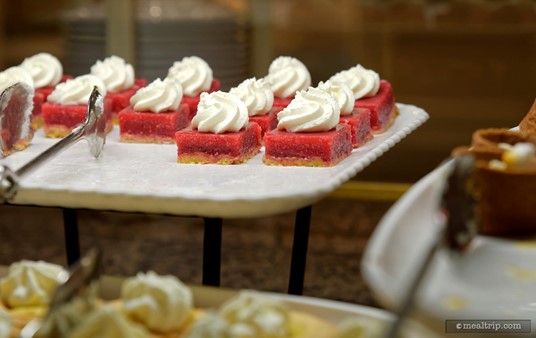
{"x": 150, "y": 127}
{"x": 193, "y": 101}
{"x": 59, "y": 120}
{"x": 194, "y": 146}
{"x": 40, "y": 97}
{"x": 382, "y": 107}
{"x": 313, "y": 149}
{"x": 359, "y": 123}
{"x": 121, "y": 99}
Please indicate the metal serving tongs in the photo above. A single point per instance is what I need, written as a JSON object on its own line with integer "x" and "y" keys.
{"x": 458, "y": 230}
{"x": 92, "y": 129}
{"x": 81, "y": 285}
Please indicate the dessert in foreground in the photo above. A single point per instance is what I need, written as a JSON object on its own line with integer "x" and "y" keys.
{"x": 120, "y": 81}
{"x": 15, "y": 117}
{"x": 67, "y": 105}
{"x": 195, "y": 76}
{"x": 259, "y": 100}
{"x": 155, "y": 114}
{"x": 220, "y": 132}
{"x": 287, "y": 76}
{"x": 309, "y": 133}
{"x": 372, "y": 93}
{"x": 26, "y": 291}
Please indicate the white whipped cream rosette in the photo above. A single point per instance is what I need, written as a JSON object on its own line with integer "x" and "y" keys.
{"x": 259, "y": 316}
{"x": 15, "y": 74}
{"x": 193, "y": 73}
{"x": 107, "y": 322}
{"x": 340, "y": 92}
{"x": 77, "y": 90}
{"x": 158, "y": 96}
{"x": 220, "y": 112}
{"x": 287, "y": 76}
{"x": 310, "y": 111}
{"x": 256, "y": 94}
{"x": 363, "y": 82}
{"x": 5, "y": 324}
{"x": 161, "y": 303}
{"x": 30, "y": 283}
{"x": 45, "y": 69}
{"x": 115, "y": 72}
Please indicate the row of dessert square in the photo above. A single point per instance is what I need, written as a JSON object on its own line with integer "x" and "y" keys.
{"x": 158, "y": 103}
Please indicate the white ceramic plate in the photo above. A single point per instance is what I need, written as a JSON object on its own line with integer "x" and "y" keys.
{"x": 495, "y": 279}
{"x": 147, "y": 178}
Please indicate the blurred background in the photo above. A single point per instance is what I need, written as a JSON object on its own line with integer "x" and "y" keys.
{"x": 470, "y": 64}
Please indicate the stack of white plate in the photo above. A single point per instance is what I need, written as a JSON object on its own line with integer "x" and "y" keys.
{"x": 166, "y": 31}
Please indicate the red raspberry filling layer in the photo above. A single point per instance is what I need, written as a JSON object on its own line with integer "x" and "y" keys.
{"x": 60, "y": 120}
{"x": 194, "y": 146}
{"x": 359, "y": 123}
{"x": 319, "y": 149}
{"x": 382, "y": 107}
{"x": 268, "y": 121}
{"x": 121, "y": 100}
{"x": 149, "y": 127}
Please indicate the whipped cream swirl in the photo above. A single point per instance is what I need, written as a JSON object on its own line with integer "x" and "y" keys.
{"x": 193, "y": 73}
{"x": 30, "y": 283}
{"x": 220, "y": 112}
{"x": 44, "y": 68}
{"x": 107, "y": 322}
{"x": 256, "y": 94}
{"x": 158, "y": 96}
{"x": 287, "y": 76}
{"x": 5, "y": 324}
{"x": 161, "y": 303}
{"x": 116, "y": 74}
{"x": 261, "y": 316}
{"x": 77, "y": 90}
{"x": 310, "y": 111}
{"x": 363, "y": 82}
{"x": 13, "y": 75}
{"x": 340, "y": 92}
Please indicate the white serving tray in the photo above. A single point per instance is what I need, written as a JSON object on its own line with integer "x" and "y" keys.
{"x": 495, "y": 279}
{"x": 147, "y": 178}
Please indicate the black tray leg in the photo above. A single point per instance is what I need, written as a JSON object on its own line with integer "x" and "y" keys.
{"x": 212, "y": 251}
{"x": 299, "y": 250}
{"x": 72, "y": 241}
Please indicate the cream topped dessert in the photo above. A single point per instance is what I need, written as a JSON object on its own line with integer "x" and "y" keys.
{"x": 115, "y": 72}
{"x": 193, "y": 73}
{"x": 287, "y": 76}
{"x": 158, "y": 96}
{"x": 256, "y": 94}
{"x": 44, "y": 68}
{"x": 363, "y": 82}
{"x": 313, "y": 110}
{"x": 340, "y": 92}
{"x": 220, "y": 112}
{"x": 161, "y": 303}
{"x": 30, "y": 283}
{"x": 76, "y": 91}
{"x": 107, "y": 322}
